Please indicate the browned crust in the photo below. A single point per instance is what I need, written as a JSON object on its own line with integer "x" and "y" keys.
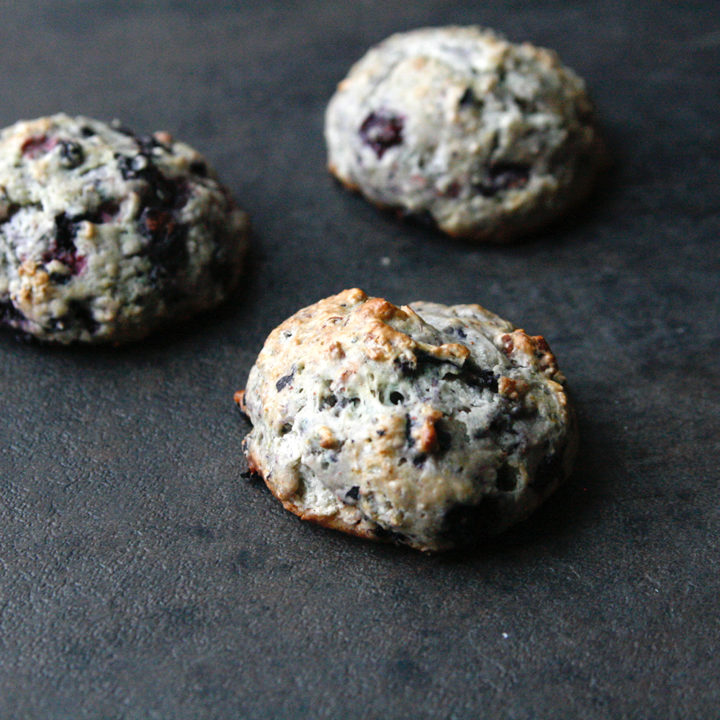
{"x": 363, "y": 529}
{"x": 535, "y": 347}
{"x": 368, "y": 531}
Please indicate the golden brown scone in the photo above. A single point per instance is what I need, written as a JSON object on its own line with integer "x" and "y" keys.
{"x": 425, "y": 424}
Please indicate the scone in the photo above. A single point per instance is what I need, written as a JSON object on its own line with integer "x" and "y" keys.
{"x": 486, "y": 138}
{"x": 105, "y": 235}
{"x": 428, "y": 425}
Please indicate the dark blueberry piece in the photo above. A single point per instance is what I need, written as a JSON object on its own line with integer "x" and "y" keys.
{"x": 160, "y": 191}
{"x": 382, "y": 130}
{"x": 71, "y": 154}
{"x": 59, "y": 278}
{"x": 285, "y": 428}
{"x": 64, "y": 233}
{"x": 478, "y": 377}
{"x": 84, "y": 316}
{"x": 62, "y": 247}
{"x": 505, "y": 479}
{"x": 527, "y": 106}
{"x": 345, "y": 401}
{"x": 469, "y": 98}
{"x": 156, "y": 222}
{"x": 167, "y": 248}
{"x": 464, "y": 524}
{"x": 9, "y": 314}
{"x": 409, "y": 439}
{"x": 500, "y": 423}
{"x": 79, "y": 314}
{"x": 181, "y": 193}
{"x": 547, "y": 472}
{"x": 444, "y": 438}
{"x": 104, "y": 213}
{"x": 450, "y": 330}
{"x": 353, "y": 493}
{"x": 396, "y": 398}
{"x": 503, "y": 177}
{"x": 460, "y": 524}
{"x": 86, "y": 131}
{"x": 518, "y": 410}
{"x": 406, "y": 366}
{"x": 419, "y": 460}
{"x": 284, "y": 381}
{"x": 380, "y": 433}
{"x": 199, "y": 168}
{"x": 453, "y": 190}
{"x": 382, "y": 533}
{"x": 481, "y": 433}
{"x": 428, "y": 360}
{"x": 130, "y": 167}
{"x": 328, "y": 401}
{"x": 423, "y": 218}
{"x": 66, "y": 226}
{"x": 7, "y": 210}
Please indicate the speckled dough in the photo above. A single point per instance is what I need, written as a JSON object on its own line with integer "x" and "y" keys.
{"x": 486, "y": 138}
{"x": 428, "y": 425}
{"x": 105, "y": 235}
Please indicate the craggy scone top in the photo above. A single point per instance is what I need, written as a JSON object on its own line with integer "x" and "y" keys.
{"x": 486, "y": 138}
{"x": 105, "y": 234}
{"x": 426, "y": 424}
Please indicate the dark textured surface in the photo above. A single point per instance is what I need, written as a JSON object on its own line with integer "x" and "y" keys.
{"x": 142, "y": 577}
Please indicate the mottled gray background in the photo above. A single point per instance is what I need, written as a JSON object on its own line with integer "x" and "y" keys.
{"x": 142, "y": 577}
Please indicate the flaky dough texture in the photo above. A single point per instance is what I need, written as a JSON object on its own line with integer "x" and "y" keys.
{"x": 427, "y": 424}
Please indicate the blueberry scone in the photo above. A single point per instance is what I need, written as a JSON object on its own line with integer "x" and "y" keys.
{"x": 486, "y": 138}
{"x": 105, "y": 235}
{"x": 428, "y": 425}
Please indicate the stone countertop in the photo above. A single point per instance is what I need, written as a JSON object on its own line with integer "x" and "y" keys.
{"x": 141, "y": 576}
